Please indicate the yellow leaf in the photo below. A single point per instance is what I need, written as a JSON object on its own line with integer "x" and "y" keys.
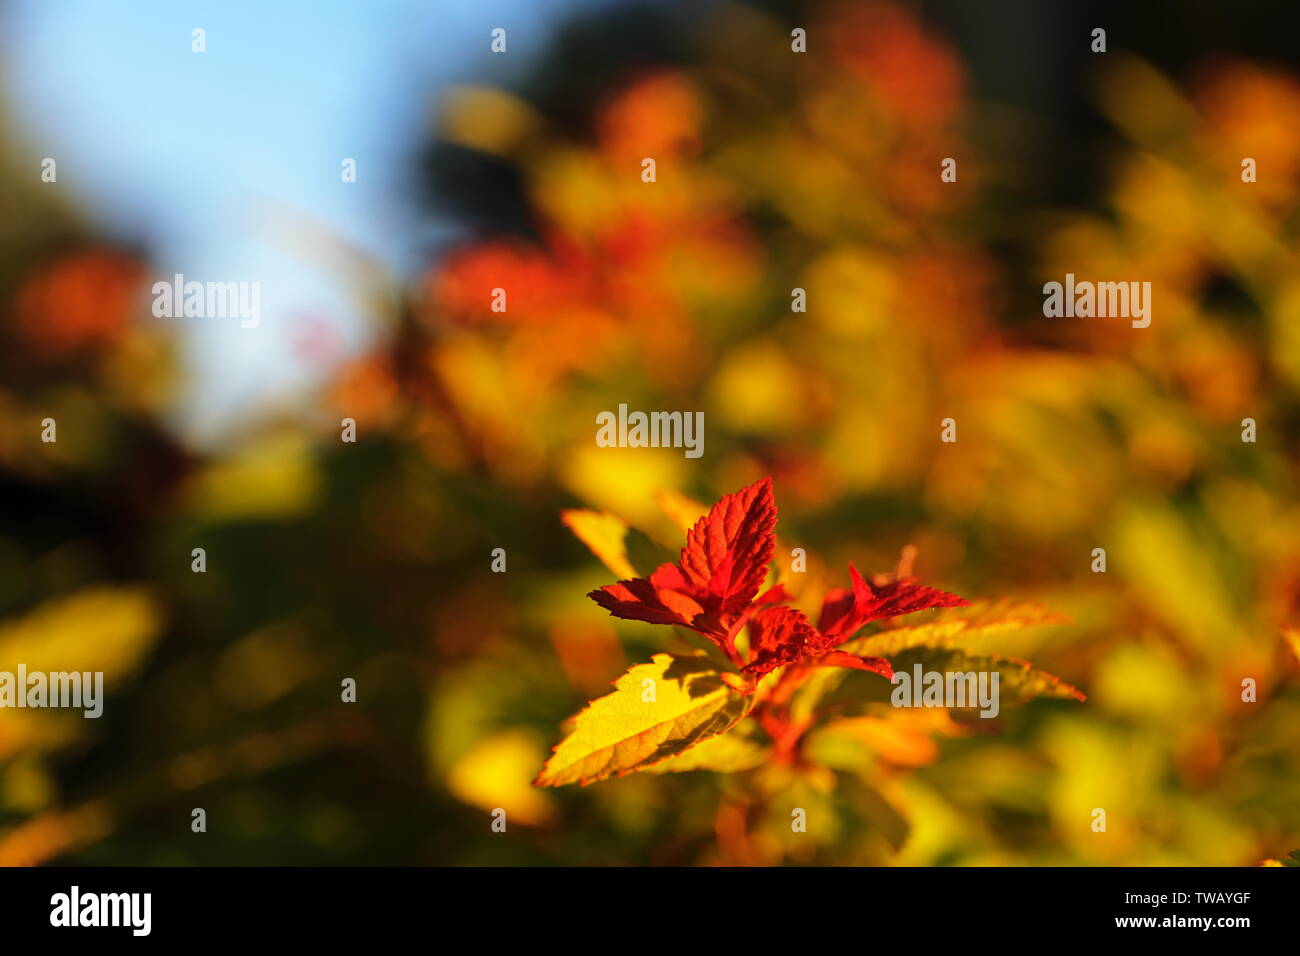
{"x": 732, "y": 752}
{"x": 656, "y": 711}
{"x": 954, "y": 628}
{"x": 981, "y": 620}
{"x": 605, "y": 534}
{"x": 1017, "y": 679}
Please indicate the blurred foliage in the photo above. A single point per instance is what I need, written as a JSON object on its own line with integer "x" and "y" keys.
{"x": 328, "y": 560}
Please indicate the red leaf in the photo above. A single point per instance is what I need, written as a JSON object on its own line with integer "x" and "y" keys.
{"x": 844, "y": 610}
{"x": 773, "y": 595}
{"x": 714, "y": 590}
{"x": 722, "y": 567}
{"x": 782, "y": 635}
{"x": 729, "y": 549}
{"x": 655, "y": 600}
{"x": 877, "y": 665}
{"x": 779, "y": 636}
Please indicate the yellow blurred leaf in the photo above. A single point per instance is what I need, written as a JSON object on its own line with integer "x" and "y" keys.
{"x": 622, "y": 480}
{"x": 1170, "y": 560}
{"x": 488, "y": 120}
{"x": 605, "y": 534}
{"x": 272, "y": 477}
{"x": 495, "y": 773}
{"x": 98, "y": 629}
{"x": 905, "y": 743}
{"x": 757, "y": 389}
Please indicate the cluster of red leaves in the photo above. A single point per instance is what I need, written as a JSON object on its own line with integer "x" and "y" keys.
{"x": 714, "y": 590}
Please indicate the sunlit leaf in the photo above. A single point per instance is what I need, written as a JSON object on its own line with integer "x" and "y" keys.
{"x": 656, "y": 711}
{"x": 964, "y": 628}
{"x": 844, "y": 610}
{"x": 1018, "y": 680}
{"x": 957, "y": 628}
{"x": 741, "y": 748}
{"x": 605, "y": 534}
{"x": 722, "y": 567}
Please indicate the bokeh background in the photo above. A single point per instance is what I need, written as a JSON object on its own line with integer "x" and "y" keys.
{"x": 776, "y": 170}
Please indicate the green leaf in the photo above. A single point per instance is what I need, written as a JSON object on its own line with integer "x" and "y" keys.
{"x": 656, "y": 711}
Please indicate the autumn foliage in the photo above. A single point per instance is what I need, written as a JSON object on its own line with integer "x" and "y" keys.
{"x": 716, "y": 589}
{"x": 745, "y": 683}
